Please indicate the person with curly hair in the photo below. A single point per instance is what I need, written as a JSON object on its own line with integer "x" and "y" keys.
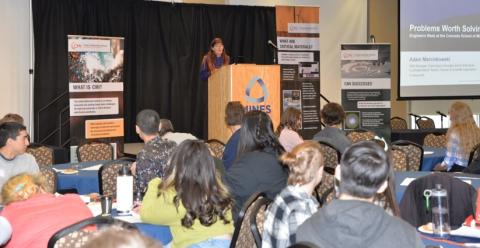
{"x": 294, "y": 204}
{"x": 191, "y": 199}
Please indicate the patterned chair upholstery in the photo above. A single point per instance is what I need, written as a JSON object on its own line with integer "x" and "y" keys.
{"x": 257, "y": 218}
{"x": 107, "y": 176}
{"x": 76, "y": 239}
{"x": 399, "y": 159}
{"x": 425, "y": 123}
{"x": 474, "y": 153}
{"x": 216, "y": 147}
{"x": 360, "y": 135}
{"x": 95, "y": 151}
{"x": 413, "y": 151}
{"x": 42, "y": 154}
{"x": 242, "y": 235}
{"x": 50, "y": 178}
{"x": 326, "y": 189}
{"x": 437, "y": 141}
{"x": 331, "y": 156}
{"x": 398, "y": 123}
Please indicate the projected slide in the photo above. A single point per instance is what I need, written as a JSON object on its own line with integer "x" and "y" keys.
{"x": 439, "y": 48}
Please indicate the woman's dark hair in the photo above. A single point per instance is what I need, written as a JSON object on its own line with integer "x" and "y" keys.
{"x": 257, "y": 134}
{"x": 209, "y": 59}
{"x": 192, "y": 173}
{"x": 165, "y": 127}
{"x": 332, "y": 114}
{"x": 290, "y": 118}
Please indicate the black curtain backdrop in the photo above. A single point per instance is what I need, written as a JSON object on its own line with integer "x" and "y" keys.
{"x": 164, "y": 45}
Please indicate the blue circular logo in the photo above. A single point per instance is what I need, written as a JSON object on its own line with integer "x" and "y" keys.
{"x": 251, "y": 83}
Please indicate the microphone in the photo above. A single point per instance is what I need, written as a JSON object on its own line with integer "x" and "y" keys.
{"x": 441, "y": 114}
{"x": 372, "y": 38}
{"x": 414, "y": 115}
{"x": 272, "y": 44}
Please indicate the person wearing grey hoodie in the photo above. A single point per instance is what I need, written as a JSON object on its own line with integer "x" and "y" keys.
{"x": 353, "y": 220}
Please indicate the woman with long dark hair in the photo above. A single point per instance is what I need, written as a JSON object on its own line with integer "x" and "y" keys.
{"x": 215, "y": 58}
{"x": 287, "y": 130}
{"x": 257, "y": 168}
{"x": 191, "y": 200}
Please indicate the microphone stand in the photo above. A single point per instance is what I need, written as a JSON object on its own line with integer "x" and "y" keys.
{"x": 274, "y": 56}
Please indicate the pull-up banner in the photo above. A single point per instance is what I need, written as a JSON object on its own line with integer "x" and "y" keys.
{"x": 95, "y": 73}
{"x": 366, "y": 84}
{"x": 298, "y": 45}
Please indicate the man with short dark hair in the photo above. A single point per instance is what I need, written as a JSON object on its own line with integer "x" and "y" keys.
{"x": 332, "y": 115}
{"x": 153, "y": 158}
{"x": 353, "y": 220}
{"x": 233, "y": 118}
{"x": 13, "y": 145}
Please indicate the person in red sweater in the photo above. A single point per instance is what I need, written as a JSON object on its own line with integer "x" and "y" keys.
{"x": 35, "y": 215}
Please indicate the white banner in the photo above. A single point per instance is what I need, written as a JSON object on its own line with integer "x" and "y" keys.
{"x": 95, "y": 87}
{"x": 89, "y": 45}
{"x": 298, "y": 43}
{"x": 94, "y": 106}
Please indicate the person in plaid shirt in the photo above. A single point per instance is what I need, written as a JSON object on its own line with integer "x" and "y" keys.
{"x": 462, "y": 136}
{"x": 294, "y": 204}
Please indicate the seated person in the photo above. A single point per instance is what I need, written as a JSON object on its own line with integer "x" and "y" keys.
{"x": 333, "y": 115}
{"x": 287, "y": 130}
{"x": 13, "y": 157}
{"x": 191, "y": 199}
{"x": 115, "y": 237}
{"x": 166, "y": 131}
{"x": 294, "y": 204}
{"x": 353, "y": 220}
{"x": 462, "y": 136}
{"x": 12, "y": 117}
{"x": 257, "y": 168}
{"x": 153, "y": 158}
{"x": 35, "y": 215}
{"x": 233, "y": 118}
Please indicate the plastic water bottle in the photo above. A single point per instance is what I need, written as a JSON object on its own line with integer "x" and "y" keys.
{"x": 124, "y": 190}
{"x": 439, "y": 205}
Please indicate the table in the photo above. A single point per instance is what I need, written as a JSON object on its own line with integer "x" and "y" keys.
{"x": 426, "y": 238}
{"x": 85, "y": 181}
{"x": 430, "y": 160}
{"x": 415, "y": 135}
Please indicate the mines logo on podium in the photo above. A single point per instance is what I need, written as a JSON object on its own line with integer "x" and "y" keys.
{"x": 257, "y": 101}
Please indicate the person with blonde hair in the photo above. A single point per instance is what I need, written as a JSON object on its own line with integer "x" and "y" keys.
{"x": 294, "y": 204}
{"x": 36, "y": 215}
{"x": 287, "y": 130}
{"x": 115, "y": 237}
{"x": 462, "y": 136}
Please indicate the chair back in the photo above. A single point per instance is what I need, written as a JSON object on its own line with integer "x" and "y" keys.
{"x": 242, "y": 235}
{"x": 42, "y": 154}
{"x": 257, "y": 218}
{"x": 325, "y": 191}
{"x": 413, "y": 151}
{"x": 331, "y": 156}
{"x": 425, "y": 123}
{"x": 360, "y": 135}
{"x": 474, "y": 153}
{"x": 75, "y": 235}
{"x": 398, "y": 123}
{"x": 216, "y": 147}
{"x": 50, "y": 178}
{"x": 434, "y": 140}
{"x": 107, "y": 176}
{"x": 399, "y": 159}
{"x": 95, "y": 151}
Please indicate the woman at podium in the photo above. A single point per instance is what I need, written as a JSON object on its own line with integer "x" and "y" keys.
{"x": 214, "y": 59}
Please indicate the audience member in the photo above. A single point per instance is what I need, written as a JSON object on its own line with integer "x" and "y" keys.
{"x": 153, "y": 158}
{"x": 35, "y": 215}
{"x": 5, "y": 231}
{"x": 191, "y": 199}
{"x": 114, "y": 237}
{"x": 287, "y": 130}
{"x": 233, "y": 118}
{"x": 257, "y": 168}
{"x": 295, "y": 203}
{"x": 13, "y": 159}
{"x": 462, "y": 136}
{"x": 166, "y": 132}
{"x": 12, "y": 117}
{"x": 333, "y": 115}
{"x": 353, "y": 220}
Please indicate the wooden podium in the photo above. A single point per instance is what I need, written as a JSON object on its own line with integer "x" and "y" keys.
{"x": 255, "y": 86}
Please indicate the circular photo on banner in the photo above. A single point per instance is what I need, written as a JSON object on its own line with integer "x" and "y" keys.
{"x": 352, "y": 119}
